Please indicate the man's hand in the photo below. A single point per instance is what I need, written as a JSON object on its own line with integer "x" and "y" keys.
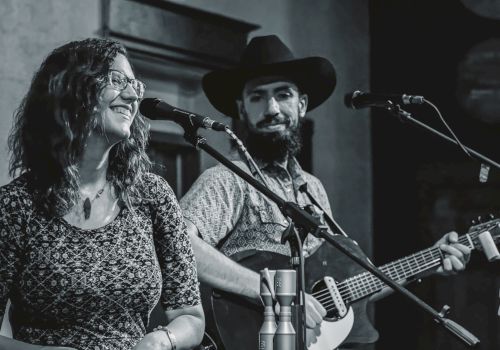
{"x": 312, "y": 335}
{"x": 315, "y": 312}
{"x": 456, "y": 255}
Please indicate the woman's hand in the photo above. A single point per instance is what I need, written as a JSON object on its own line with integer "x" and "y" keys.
{"x": 157, "y": 340}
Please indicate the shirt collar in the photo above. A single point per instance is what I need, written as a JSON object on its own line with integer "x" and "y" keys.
{"x": 293, "y": 167}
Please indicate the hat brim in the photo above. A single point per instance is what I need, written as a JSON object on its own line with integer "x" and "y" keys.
{"x": 315, "y": 76}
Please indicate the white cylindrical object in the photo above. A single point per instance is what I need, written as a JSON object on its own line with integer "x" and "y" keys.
{"x": 489, "y": 247}
{"x": 285, "y": 286}
{"x": 268, "y": 328}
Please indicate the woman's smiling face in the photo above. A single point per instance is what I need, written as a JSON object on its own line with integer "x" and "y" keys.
{"x": 118, "y": 108}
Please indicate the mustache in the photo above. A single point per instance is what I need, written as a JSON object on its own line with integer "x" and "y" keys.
{"x": 272, "y": 119}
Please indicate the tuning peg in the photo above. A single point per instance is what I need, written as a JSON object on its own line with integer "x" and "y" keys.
{"x": 445, "y": 310}
{"x": 473, "y": 222}
{"x": 491, "y": 216}
{"x": 479, "y": 219}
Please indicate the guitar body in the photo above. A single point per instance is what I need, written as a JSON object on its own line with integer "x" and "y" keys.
{"x": 234, "y": 322}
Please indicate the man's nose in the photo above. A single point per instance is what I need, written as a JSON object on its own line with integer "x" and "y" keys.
{"x": 272, "y": 107}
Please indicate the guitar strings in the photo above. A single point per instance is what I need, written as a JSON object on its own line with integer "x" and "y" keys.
{"x": 396, "y": 266}
{"x": 360, "y": 280}
{"x": 359, "y": 283}
{"x": 362, "y": 287}
{"x": 361, "y": 290}
{"x": 354, "y": 285}
{"x": 328, "y": 302}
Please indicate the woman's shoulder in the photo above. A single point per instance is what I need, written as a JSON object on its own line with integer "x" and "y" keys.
{"x": 17, "y": 188}
{"x": 153, "y": 186}
{"x": 16, "y": 195}
{"x": 152, "y": 180}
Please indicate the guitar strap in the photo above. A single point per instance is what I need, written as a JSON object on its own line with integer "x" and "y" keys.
{"x": 223, "y": 240}
{"x": 328, "y": 219}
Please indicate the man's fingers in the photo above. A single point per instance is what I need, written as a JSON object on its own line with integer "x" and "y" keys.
{"x": 314, "y": 311}
{"x": 317, "y": 305}
{"x": 456, "y": 263}
{"x": 452, "y": 237}
{"x": 456, "y": 254}
{"x": 313, "y": 318}
{"x": 447, "y": 265}
{"x": 452, "y": 251}
{"x": 311, "y": 337}
{"x": 465, "y": 251}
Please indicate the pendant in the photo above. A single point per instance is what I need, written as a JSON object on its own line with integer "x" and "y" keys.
{"x": 86, "y": 208}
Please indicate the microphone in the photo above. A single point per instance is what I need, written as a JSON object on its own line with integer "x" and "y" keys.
{"x": 358, "y": 99}
{"x": 156, "y": 109}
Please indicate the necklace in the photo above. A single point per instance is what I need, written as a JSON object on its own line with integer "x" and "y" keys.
{"x": 87, "y": 203}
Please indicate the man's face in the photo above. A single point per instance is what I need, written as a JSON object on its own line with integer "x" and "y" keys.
{"x": 272, "y": 104}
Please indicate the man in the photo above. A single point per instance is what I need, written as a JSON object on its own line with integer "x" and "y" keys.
{"x": 270, "y": 92}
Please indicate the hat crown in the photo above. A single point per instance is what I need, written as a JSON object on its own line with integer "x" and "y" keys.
{"x": 265, "y": 50}
{"x": 269, "y": 56}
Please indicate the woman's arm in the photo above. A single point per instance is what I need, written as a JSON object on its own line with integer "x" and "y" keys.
{"x": 187, "y": 326}
{"x": 185, "y": 330}
{"x": 180, "y": 293}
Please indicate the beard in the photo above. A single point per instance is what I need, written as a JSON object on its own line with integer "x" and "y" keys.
{"x": 275, "y": 146}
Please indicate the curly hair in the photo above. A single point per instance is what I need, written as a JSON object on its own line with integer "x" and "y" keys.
{"x": 56, "y": 117}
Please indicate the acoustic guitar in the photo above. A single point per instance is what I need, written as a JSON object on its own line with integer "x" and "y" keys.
{"x": 339, "y": 285}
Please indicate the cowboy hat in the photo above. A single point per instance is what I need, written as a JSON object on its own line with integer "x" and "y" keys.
{"x": 268, "y": 55}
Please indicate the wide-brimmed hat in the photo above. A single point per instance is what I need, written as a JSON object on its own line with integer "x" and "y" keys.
{"x": 268, "y": 55}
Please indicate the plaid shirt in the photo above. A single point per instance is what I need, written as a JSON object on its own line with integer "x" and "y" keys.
{"x": 221, "y": 203}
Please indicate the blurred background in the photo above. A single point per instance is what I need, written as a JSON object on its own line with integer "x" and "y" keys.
{"x": 393, "y": 188}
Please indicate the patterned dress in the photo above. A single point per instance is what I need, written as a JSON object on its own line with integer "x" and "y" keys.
{"x": 93, "y": 289}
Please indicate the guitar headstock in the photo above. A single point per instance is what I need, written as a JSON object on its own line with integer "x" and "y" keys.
{"x": 482, "y": 220}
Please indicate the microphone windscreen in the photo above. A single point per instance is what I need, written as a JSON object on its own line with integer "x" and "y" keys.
{"x": 154, "y": 108}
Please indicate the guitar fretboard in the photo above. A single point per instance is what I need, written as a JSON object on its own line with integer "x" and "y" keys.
{"x": 365, "y": 284}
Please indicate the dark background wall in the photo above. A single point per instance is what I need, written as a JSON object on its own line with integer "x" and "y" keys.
{"x": 422, "y": 186}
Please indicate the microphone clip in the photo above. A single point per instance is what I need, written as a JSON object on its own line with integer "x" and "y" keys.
{"x": 396, "y": 110}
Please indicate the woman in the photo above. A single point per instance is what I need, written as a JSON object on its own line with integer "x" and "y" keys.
{"x": 89, "y": 240}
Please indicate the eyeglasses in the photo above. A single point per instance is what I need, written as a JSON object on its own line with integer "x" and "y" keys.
{"x": 119, "y": 81}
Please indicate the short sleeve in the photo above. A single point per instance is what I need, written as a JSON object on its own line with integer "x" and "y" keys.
{"x": 12, "y": 212}
{"x": 174, "y": 251}
{"x": 214, "y": 203}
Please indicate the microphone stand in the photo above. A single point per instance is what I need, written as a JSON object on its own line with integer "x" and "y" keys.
{"x": 404, "y": 116}
{"x": 309, "y": 223}
{"x": 290, "y": 234}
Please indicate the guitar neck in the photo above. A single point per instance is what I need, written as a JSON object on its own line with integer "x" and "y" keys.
{"x": 365, "y": 284}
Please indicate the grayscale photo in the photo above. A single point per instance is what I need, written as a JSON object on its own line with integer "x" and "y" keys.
{"x": 249, "y": 175}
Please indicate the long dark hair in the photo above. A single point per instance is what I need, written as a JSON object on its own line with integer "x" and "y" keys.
{"x": 55, "y": 119}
